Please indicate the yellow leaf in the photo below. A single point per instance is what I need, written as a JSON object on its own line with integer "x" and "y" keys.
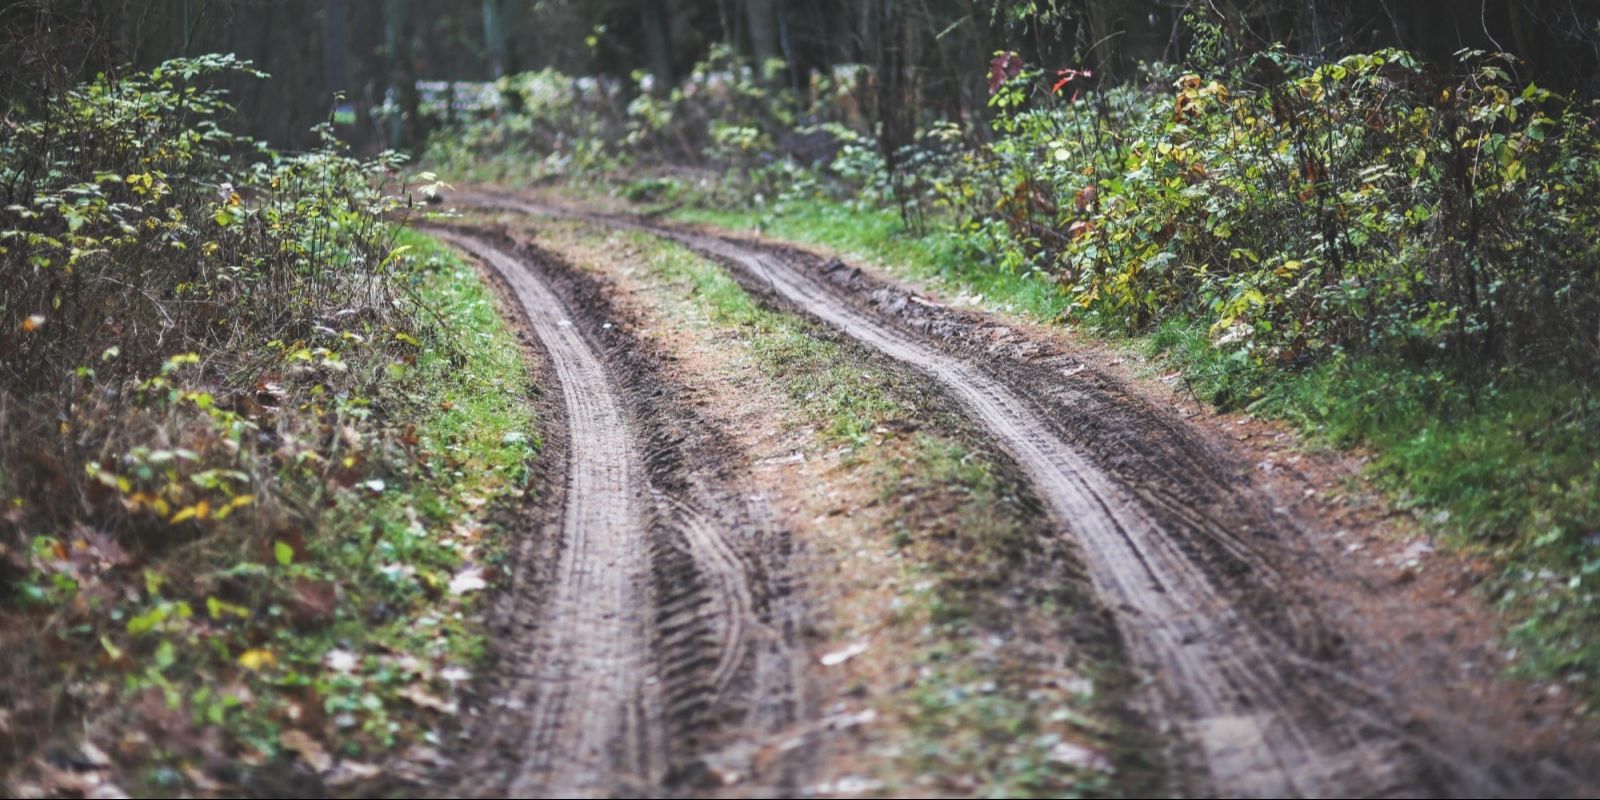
{"x": 257, "y": 659}
{"x": 199, "y": 510}
{"x": 236, "y": 503}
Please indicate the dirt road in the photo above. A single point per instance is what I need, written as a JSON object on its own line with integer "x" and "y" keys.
{"x": 1262, "y": 689}
{"x": 665, "y": 612}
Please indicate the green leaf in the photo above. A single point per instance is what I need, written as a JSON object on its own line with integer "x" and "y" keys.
{"x": 283, "y": 552}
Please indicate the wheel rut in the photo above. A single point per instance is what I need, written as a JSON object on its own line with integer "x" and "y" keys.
{"x": 1262, "y": 695}
{"x": 654, "y": 617}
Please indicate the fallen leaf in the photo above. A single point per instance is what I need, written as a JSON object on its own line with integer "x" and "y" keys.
{"x": 314, "y": 600}
{"x": 342, "y": 661}
{"x": 422, "y": 698}
{"x": 256, "y": 659}
{"x": 1073, "y": 755}
{"x": 468, "y": 580}
{"x": 201, "y": 780}
{"x": 308, "y": 749}
{"x": 93, "y": 756}
{"x": 349, "y": 772}
{"x": 838, "y": 657}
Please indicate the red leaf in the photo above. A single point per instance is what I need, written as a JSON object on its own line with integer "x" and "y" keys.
{"x": 1068, "y": 76}
{"x": 1003, "y": 67}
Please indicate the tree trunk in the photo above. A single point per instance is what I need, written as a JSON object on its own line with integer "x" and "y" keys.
{"x": 335, "y": 46}
{"x": 497, "y": 38}
{"x": 405, "y": 127}
{"x": 658, "y": 43}
{"x": 762, "y": 15}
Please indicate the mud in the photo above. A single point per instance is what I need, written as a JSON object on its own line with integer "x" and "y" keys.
{"x": 653, "y": 615}
{"x": 1267, "y": 687}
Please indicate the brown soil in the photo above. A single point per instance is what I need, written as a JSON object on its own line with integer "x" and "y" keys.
{"x": 842, "y": 504}
{"x": 656, "y": 610}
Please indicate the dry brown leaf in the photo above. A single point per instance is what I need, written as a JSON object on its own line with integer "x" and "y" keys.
{"x": 422, "y": 698}
{"x": 308, "y": 749}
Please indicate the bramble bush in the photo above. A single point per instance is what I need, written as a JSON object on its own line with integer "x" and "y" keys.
{"x": 169, "y": 285}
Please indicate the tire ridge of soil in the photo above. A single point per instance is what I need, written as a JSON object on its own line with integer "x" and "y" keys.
{"x": 1163, "y": 589}
{"x": 717, "y": 614}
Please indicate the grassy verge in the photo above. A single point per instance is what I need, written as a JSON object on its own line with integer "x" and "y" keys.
{"x": 1509, "y": 469}
{"x": 880, "y": 236}
{"x": 304, "y": 654}
{"x": 979, "y": 717}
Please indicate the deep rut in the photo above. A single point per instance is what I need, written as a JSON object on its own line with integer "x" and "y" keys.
{"x": 667, "y": 612}
{"x": 1264, "y": 696}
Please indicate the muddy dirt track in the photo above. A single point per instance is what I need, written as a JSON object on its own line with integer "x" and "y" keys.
{"x": 654, "y": 608}
{"x": 1260, "y": 688}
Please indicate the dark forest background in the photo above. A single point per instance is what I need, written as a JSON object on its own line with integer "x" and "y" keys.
{"x": 935, "y": 51}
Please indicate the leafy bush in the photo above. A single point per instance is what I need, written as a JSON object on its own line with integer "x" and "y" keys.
{"x": 162, "y": 289}
{"x": 1361, "y": 205}
{"x": 723, "y": 114}
{"x": 209, "y": 433}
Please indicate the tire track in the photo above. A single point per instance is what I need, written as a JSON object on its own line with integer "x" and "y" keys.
{"x": 1264, "y": 698}
{"x": 666, "y": 623}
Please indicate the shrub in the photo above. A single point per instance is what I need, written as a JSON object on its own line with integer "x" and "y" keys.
{"x": 199, "y": 343}
{"x": 1362, "y": 205}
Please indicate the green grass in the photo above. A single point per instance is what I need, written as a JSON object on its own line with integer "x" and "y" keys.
{"x": 488, "y": 416}
{"x": 881, "y": 237}
{"x": 1510, "y": 470}
{"x": 846, "y": 397}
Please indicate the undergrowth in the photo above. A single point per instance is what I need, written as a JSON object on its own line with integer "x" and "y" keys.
{"x": 245, "y": 453}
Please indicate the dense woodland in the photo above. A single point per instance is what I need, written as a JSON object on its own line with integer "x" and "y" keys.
{"x": 365, "y": 50}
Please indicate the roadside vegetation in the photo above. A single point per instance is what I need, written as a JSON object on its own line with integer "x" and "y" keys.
{"x": 1386, "y": 251}
{"x": 247, "y": 459}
